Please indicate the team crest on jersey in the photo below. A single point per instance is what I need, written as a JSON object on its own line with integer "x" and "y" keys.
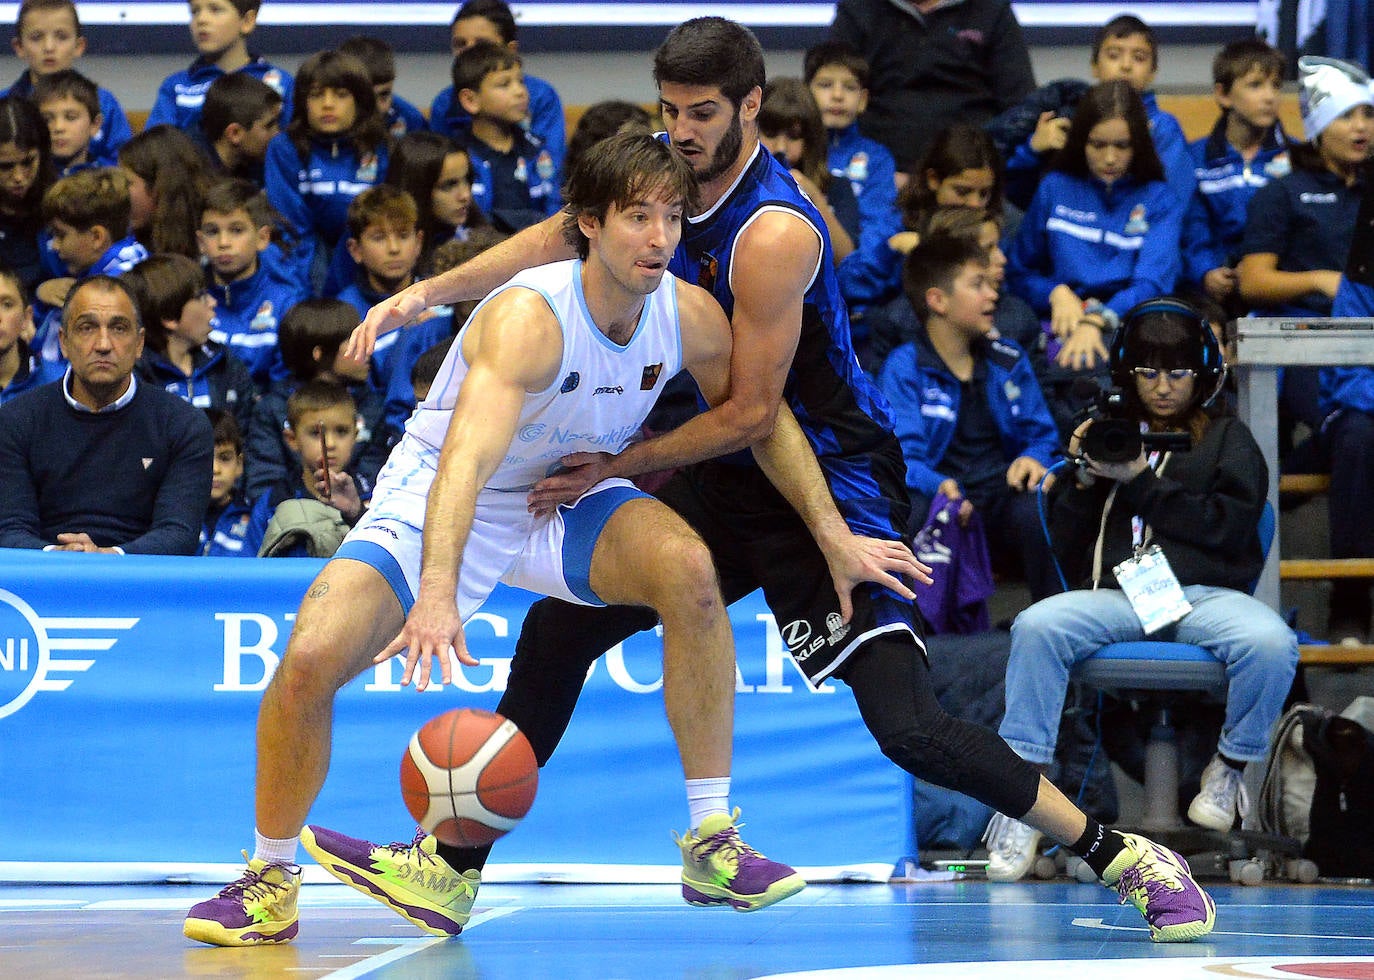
{"x": 543, "y": 165}
{"x": 1278, "y": 167}
{"x": 1136, "y": 223}
{"x": 649, "y": 378}
{"x": 272, "y": 77}
{"x": 858, "y": 167}
{"x": 708, "y": 271}
{"x": 522, "y": 172}
{"x": 264, "y": 318}
{"x": 367, "y": 168}
{"x": 398, "y": 128}
{"x": 570, "y": 383}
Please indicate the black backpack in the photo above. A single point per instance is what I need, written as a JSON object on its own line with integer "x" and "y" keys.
{"x": 1319, "y": 788}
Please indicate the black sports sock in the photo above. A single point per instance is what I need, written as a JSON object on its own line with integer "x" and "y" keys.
{"x": 462, "y": 859}
{"x": 1098, "y": 846}
{"x": 1233, "y": 763}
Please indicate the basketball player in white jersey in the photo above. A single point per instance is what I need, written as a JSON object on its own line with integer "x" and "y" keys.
{"x": 563, "y": 358}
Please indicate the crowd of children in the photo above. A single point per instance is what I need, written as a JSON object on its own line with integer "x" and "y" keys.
{"x": 261, "y": 212}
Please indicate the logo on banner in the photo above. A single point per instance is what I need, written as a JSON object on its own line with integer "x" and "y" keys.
{"x": 32, "y": 649}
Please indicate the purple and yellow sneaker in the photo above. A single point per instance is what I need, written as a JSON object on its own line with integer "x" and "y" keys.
{"x": 257, "y": 910}
{"x": 408, "y": 878}
{"x": 720, "y": 869}
{"x": 1159, "y": 883}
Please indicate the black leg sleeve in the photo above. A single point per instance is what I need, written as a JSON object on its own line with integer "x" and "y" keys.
{"x": 558, "y": 644}
{"x": 891, "y": 684}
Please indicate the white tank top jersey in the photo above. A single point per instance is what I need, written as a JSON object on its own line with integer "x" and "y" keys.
{"x": 600, "y": 397}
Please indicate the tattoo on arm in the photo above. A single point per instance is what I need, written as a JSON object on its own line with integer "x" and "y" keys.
{"x": 318, "y": 590}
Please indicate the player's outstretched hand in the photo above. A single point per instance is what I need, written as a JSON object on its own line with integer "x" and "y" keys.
{"x": 390, "y": 313}
{"x": 581, "y": 472}
{"x": 433, "y": 629}
{"x": 855, "y": 558}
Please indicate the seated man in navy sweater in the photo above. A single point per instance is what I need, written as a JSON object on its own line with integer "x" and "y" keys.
{"x": 97, "y": 461}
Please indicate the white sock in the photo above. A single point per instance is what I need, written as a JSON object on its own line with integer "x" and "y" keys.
{"x": 274, "y": 851}
{"x": 706, "y": 797}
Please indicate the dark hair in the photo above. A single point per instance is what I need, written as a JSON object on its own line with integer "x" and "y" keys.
{"x": 334, "y": 69}
{"x": 416, "y": 163}
{"x": 935, "y": 263}
{"x": 101, "y": 283}
{"x": 1110, "y": 100}
{"x": 318, "y": 395}
{"x": 1126, "y": 25}
{"x": 375, "y": 54}
{"x": 1168, "y": 333}
{"x": 385, "y": 205}
{"x": 789, "y": 108}
{"x": 711, "y": 51}
{"x": 22, "y": 125}
{"x": 840, "y": 53}
{"x": 225, "y": 428}
{"x": 161, "y": 286}
{"x": 34, "y": 6}
{"x": 68, "y": 84}
{"x": 477, "y": 61}
{"x": 236, "y": 97}
{"x": 958, "y": 221}
{"x": 427, "y": 365}
{"x": 618, "y": 171}
{"x": 495, "y": 11}
{"x": 90, "y": 198}
{"x": 1239, "y": 58}
{"x": 955, "y": 149}
{"x": 12, "y": 277}
{"x": 602, "y": 119}
{"x": 311, "y": 323}
{"x": 174, "y": 170}
{"x": 236, "y": 194}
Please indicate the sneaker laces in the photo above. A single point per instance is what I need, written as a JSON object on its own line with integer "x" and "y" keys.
{"x": 1220, "y": 790}
{"x": 405, "y": 850}
{"x": 726, "y": 840}
{"x": 1151, "y": 877}
{"x": 253, "y": 884}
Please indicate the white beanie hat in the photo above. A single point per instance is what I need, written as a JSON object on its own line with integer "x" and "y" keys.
{"x": 1329, "y": 89}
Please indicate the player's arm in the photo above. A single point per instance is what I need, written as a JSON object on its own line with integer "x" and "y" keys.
{"x": 514, "y": 347}
{"x": 536, "y": 245}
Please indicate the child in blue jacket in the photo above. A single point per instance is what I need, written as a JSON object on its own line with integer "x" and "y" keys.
{"x": 967, "y": 409}
{"x": 1102, "y": 232}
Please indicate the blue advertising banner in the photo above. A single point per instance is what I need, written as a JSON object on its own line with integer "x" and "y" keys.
{"x": 129, "y": 689}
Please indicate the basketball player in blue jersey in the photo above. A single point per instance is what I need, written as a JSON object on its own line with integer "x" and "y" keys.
{"x": 588, "y": 344}
{"x": 760, "y": 246}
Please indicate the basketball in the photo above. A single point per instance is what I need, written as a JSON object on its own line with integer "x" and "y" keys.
{"x": 468, "y": 776}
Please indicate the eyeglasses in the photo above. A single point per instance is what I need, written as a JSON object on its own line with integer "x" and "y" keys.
{"x": 1175, "y": 375}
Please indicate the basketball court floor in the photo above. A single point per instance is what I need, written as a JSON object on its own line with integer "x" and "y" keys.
{"x": 929, "y": 930}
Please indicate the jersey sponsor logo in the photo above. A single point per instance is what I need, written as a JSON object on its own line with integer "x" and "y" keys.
{"x": 609, "y": 390}
{"x": 796, "y": 633}
{"x": 531, "y": 432}
{"x": 1311, "y": 198}
{"x": 30, "y": 660}
{"x": 708, "y": 271}
{"x": 649, "y": 378}
{"x": 570, "y": 383}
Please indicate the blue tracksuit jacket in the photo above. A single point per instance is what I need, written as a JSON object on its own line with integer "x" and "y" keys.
{"x": 868, "y": 274}
{"x": 181, "y": 95}
{"x": 247, "y": 313}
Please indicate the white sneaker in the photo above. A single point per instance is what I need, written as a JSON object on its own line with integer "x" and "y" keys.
{"x": 1011, "y": 848}
{"x": 1223, "y": 795}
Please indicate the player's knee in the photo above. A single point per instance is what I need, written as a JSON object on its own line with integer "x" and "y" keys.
{"x": 685, "y": 574}
{"x": 309, "y": 667}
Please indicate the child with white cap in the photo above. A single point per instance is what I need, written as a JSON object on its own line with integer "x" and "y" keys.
{"x": 1300, "y": 226}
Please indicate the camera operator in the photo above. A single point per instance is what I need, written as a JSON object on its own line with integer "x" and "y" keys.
{"x": 1164, "y": 539}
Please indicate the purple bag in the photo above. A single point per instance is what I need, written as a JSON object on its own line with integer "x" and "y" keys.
{"x": 959, "y": 564}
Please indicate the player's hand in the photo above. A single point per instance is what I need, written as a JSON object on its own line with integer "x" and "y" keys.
{"x": 854, "y": 559}
{"x": 581, "y": 472}
{"x": 390, "y": 313}
{"x": 433, "y": 629}
{"x": 1024, "y": 473}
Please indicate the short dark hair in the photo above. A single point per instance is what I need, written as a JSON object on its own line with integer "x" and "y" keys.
{"x": 318, "y": 395}
{"x": 499, "y": 13}
{"x": 236, "y": 194}
{"x": 616, "y": 172}
{"x": 935, "y": 263}
{"x": 236, "y": 97}
{"x": 375, "y": 54}
{"x": 427, "y": 365}
{"x": 1110, "y": 100}
{"x": 226, "y": 428}
{"x": 246, "y": 6}
{"x": 335, "y": 69}
{"x": 89, "y": 198}
{"x": 34, "y": 6}
{"x": 1126, "y": 25}
{"x": 161, "y": 286}
{"x": 1239, "y": 58}
{"x": 602, "y": 119}
{"x": 712, "y": 51}
{"x": 68, "y": 84}
{"x": 311, "y": 323}
{"x": 477, "y": 61}
{"x": 101, "y": 283}
{"x": 840, "y": 53}
{"x": 383, "y": 205}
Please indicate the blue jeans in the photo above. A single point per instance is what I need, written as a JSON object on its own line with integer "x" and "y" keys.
{"x": 1258, "y": 648}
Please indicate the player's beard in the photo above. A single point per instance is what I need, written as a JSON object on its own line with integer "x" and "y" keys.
{"x": 726, "y": 151}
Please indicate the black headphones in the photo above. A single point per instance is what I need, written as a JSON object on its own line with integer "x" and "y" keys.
{"x": 1211, "y": 370}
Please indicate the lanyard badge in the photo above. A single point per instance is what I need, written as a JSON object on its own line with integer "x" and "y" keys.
{"x": 1152, "y": 589}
